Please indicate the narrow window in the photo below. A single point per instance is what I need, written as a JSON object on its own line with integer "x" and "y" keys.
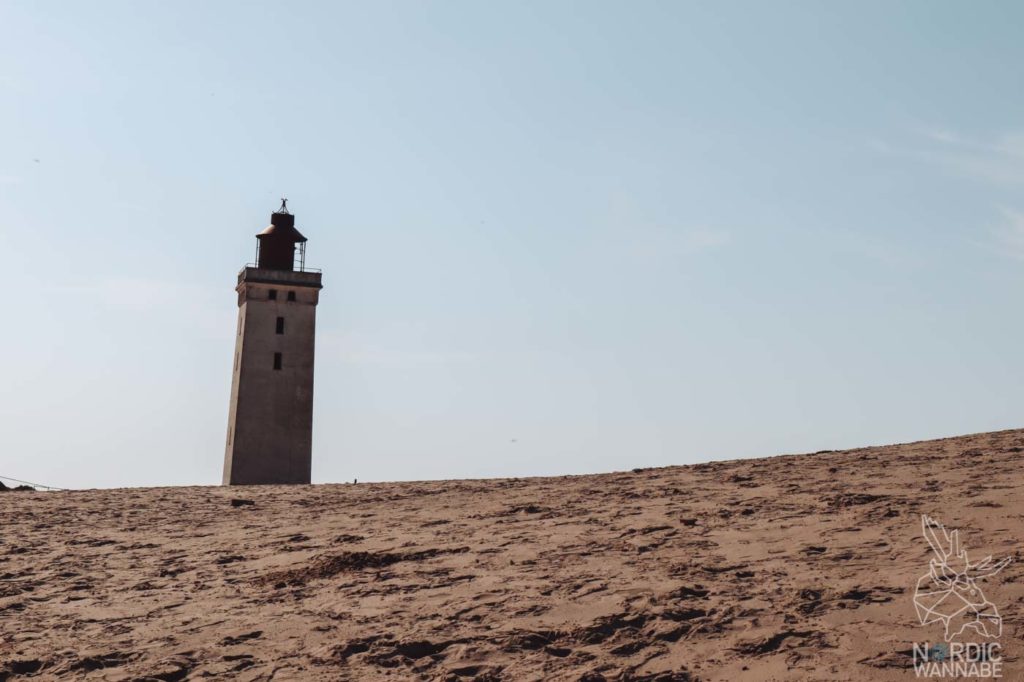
{"x": 277, "y": 361}
{"x": 291, "y": 295}
{"x": 280, "y": 325}
{"x": 236, "y": 362}
{"x": 272, "y": 295}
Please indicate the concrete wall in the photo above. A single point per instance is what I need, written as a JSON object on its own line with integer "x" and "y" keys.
{"x": 270, "y": 420}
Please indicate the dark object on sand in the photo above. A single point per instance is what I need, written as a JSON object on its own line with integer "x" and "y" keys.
{"x": 5, "y": 489}
{"x": 237, "y": 502}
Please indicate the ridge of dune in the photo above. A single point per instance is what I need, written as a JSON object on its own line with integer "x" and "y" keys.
{"x": 796, "y": 567}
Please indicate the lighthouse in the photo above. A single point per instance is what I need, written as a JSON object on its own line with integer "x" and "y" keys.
{"x": 270, "y": 419}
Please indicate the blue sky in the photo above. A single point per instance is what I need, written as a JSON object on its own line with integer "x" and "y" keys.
{"x": 556, "y": 237}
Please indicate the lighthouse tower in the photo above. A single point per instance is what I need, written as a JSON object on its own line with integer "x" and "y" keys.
{"x": 270, "y": 420}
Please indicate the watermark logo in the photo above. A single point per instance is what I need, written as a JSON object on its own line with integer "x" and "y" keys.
{"x": 949, "y": 593}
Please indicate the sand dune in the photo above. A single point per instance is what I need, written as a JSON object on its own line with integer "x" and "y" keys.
{"x": 788, "y": 568}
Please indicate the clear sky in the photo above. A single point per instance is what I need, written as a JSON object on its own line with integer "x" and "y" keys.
{"x": 556, "y": 237}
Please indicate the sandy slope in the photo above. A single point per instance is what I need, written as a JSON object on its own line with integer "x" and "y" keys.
{"x": 797, "y": 567}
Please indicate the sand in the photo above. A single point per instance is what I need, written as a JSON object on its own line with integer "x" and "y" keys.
{"x": 787, "y": 568}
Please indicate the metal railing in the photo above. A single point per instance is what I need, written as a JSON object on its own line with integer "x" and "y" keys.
{"x": 315, "y": 270}
{"x": 298, "y": 259}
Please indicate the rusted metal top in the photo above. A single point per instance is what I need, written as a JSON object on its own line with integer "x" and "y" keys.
{"x": 277, "y": 242}
{"x": 282, "y": 226}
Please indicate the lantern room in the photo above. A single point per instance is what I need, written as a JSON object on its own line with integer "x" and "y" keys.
{"x": 281, "y": 246}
